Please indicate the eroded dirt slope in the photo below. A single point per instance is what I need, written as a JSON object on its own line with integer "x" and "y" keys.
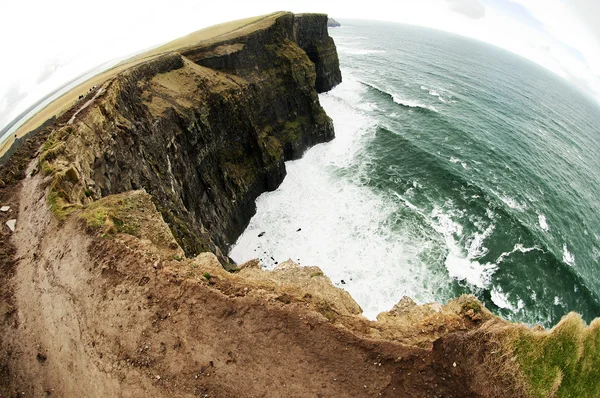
{"x": 128, "y": 316}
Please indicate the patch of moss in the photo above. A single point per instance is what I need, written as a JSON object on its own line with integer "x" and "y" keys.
{"x": 47, "y": 168}
{"x": 190, "y": 241}
{"x": 274, "y": 148}
{"x": 58, "y": 205}
{"x": 561, "y": 363}
{"x": 53, "y": 151}
{"x": 327, "y": 310}
{"x": 293, "y": 129}
{"x": 72, "y": 174}
{"x": 471, "y": 305}
{"x": 237, "y": 171}
{"x": 114, "y": 214}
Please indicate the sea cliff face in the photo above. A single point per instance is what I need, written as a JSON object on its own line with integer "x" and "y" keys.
{"x": 204, "y": 130}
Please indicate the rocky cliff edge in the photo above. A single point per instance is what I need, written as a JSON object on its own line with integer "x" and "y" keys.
{"x": 203, "y": 130}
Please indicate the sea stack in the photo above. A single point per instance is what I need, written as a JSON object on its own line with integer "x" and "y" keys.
{"x": 332, "y": 23}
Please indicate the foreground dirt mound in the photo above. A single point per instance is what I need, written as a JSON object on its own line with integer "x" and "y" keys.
{"x": 99, "y": 313}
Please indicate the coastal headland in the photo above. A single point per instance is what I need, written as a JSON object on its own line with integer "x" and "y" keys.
{"x": 115, "y": 279}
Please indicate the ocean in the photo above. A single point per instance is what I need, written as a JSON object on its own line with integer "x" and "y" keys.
{"x": 457, "y": 168}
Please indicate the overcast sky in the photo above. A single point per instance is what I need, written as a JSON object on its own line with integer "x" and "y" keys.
{"x": 46, "y": 43}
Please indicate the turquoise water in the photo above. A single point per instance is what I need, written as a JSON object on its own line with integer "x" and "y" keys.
{"x": 457, "y": 168}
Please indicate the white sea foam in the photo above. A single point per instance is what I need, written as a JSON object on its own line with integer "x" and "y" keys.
{"x": 463, "y": 268}
{"x": 436, "y": 93}
{"x": 439, "y": 96}
{"x": 363, "y": 51}
{"x": 462, "y": 162}
{"x": 511, "y": 202}
{"x": 411, "y": 103}
{"x": 543, "y": 223}
{"x": 596, "y": 254}
{"x": 517, "y": 248}
{"x": 475, "y": 246}
{"x": 502, "y": 300}
{"x": 317, "y": 217}
{"x": 400, "y": 100}
{"x": 557, "y": 301}
{"x": 461, "y": 265}
{"x": 568, "y": 257}
{"x": 409, "y": 204}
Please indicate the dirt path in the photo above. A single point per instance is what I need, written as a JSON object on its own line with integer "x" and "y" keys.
{"x": 88, "y": 103}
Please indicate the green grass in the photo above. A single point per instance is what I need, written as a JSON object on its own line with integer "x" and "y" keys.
{"x": 294, "y": 128}
{"x": 113, "y": 214}
{"x": 327, "y": 310}
{"x": 564, "y": 362}
{"x": 471, "y": 305}
{"x": 58, "y": 206}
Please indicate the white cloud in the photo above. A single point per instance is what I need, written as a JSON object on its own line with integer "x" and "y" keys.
{"x": 62, "y": 39}
{"x": 471, "y": 8}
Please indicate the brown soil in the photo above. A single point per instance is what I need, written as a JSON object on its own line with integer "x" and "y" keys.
{"x": 124, "y": 316}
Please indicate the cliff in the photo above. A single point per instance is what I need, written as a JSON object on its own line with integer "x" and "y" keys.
{"x": 204, "y": 130}
{"x": 115, "y": 283}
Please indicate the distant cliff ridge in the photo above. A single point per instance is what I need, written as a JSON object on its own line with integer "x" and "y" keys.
{"x": 204, "y": 130}
{"x": 332, "y": 23}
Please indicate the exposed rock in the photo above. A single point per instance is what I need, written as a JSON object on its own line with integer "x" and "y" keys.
{"x": 310, "y": 32}
{"x": 304, "y": 283}
{"x": 12, "y": 224}
{"x": 4, "y": 209}
{"x": 404, "y": 305}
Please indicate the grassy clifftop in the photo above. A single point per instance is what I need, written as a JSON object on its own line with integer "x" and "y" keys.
{"x": 69, "y": 99}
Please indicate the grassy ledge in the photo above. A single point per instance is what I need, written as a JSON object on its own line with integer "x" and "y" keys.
{"x": 562, "y": 362}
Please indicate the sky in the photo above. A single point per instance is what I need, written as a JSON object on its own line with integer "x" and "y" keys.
{"x": 47, "y": 43}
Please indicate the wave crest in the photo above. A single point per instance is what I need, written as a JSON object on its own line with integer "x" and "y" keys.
{"x": 407, "y": 103}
